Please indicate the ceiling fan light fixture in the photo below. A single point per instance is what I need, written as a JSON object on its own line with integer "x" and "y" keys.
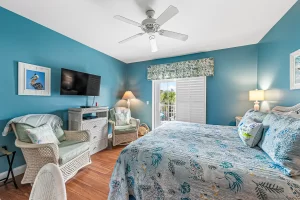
{"x": 152, "y": 26}
{"x": 153, "y": 43}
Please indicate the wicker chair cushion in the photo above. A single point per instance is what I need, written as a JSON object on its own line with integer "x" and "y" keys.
{"x": 59, "y": 133}
{"x": 68, "y": 150}
{"x": 21, "y": 132}
{"x": 125, "y": 129}
{"x": 112, "y": 113}
{"x": 23, "y": 136}
{"x": 42, "y": 135}
{"x": 121, "y": 119}
{"x": 126, "y": 112}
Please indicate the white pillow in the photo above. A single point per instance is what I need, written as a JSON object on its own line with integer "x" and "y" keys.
{"x": 42, "y": 135}
{"x": 121, "y": 119}
{"x": 250, "y": 131}
{"x": 124, "y": 111}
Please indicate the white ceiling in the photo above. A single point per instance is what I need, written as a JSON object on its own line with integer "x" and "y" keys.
{"x": 210, "y": 24}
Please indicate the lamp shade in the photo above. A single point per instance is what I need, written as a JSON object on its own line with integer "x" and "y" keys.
{"x": 128, "y": 95}
{"x": 256, "y": 95}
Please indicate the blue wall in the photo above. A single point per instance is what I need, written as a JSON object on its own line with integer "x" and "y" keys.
{"x": 25, "y": 41}
{"x": 274, "y": 59}
{"x": 237, "y": 70}
{"x": 227, "y": 91}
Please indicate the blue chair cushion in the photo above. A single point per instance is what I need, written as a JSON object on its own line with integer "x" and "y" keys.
{"x": 69, "y": 150}
{"x": 125, "y": 129}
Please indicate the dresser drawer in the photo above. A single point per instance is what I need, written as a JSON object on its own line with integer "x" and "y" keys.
{"x": 99, "y": 134}
{"x": 98, "y": 146}
{"x": 97, "y": 128}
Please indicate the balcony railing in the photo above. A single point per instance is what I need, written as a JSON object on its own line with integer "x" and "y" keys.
{"x": 167, "y": 112}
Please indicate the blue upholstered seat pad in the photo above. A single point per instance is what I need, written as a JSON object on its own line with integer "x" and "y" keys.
{"x": 125, "y": 129}
{"x": 69, "y": 150}
{"x": 192, "y": 161}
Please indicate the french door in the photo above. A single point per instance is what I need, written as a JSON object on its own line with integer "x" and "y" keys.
{"x": 179, "y": 100}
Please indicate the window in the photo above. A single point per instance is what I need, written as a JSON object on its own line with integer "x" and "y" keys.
{"x": 180, "y": 100}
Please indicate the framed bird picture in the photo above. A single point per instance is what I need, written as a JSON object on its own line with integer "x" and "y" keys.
{"x": 34, "y": 80}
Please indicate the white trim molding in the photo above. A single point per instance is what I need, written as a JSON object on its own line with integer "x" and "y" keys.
{"x": 17, "y": 171}
{"x": 295, "y": 55}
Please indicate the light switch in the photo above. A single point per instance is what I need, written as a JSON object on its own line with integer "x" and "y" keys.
{"x": 147, "y": 102}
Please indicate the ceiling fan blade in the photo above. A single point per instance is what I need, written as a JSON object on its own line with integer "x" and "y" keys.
{"x": 173, "y": 35}
{"x": 131, "y": 38}
{"x": 129, "y": 21}
{"x": 167, "y": 15}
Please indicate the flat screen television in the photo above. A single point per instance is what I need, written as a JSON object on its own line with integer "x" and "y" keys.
{"x": 78, "y": 83}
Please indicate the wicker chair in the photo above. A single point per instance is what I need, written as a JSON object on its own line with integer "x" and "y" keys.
{"x": 38, "y": 155}
{"x": 49, "y": 184}
{"x": 123, "y": 134}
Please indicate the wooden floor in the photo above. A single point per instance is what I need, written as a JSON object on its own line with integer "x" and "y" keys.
{"x": 92, "y": 182}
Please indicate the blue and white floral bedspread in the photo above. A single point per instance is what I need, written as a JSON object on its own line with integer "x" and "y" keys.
{"x": 191, "y": 161}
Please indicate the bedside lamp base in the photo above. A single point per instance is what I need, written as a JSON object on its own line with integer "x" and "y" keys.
{"x": 128, "y": 103}
{"x": 256, "y": 106}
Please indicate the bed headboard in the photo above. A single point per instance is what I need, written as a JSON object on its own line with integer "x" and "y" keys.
{"x": 293, "y": 111}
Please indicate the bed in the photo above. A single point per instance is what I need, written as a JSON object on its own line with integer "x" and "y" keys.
{"x": 188, "y": 161}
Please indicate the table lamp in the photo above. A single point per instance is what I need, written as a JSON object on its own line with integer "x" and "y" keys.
{"x": 256, "y": 95}
{"x": 127, "y": 96}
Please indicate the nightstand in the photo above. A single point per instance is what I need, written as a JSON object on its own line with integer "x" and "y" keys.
{"x": 238, "y": 120}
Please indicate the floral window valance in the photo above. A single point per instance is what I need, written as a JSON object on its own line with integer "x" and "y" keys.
{"x": 186, "y": 69}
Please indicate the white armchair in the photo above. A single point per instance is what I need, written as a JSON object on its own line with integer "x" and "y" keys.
{"x": 123, "y": 134}
{"x": 49, "y": 184}
{"x": 70, "y": 155}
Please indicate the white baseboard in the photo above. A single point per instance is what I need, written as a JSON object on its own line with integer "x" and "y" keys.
{"x": 17, "y": 171}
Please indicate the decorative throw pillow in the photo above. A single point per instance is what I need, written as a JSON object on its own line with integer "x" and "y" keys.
{"x": 21, "y": 132}
{"x": 126, "y": 112}
{"x": 121, "y": 119}
{"x": 42, "y": 135}
{"x": 250, "y": 132}
{"x": 282, "y": 142}
{"x": 59, "y": 133}
{"x": 257, "y": 116}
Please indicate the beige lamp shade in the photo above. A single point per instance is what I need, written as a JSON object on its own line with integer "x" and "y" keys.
{"x": 128, "y": 95}
{"x": 256, "y": 95}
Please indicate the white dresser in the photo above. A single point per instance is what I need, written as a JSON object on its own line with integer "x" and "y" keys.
{"x": 94, "y": 119}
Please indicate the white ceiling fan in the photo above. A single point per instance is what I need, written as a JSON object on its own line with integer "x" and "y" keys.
{"x": 152, "y": 26}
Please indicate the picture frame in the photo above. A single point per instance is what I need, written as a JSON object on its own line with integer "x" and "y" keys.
{"x": 295, "y": 70}
{"x": 34, "y": 80}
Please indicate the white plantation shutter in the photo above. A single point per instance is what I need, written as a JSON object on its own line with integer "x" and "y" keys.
{"x": 191, "y": 100}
